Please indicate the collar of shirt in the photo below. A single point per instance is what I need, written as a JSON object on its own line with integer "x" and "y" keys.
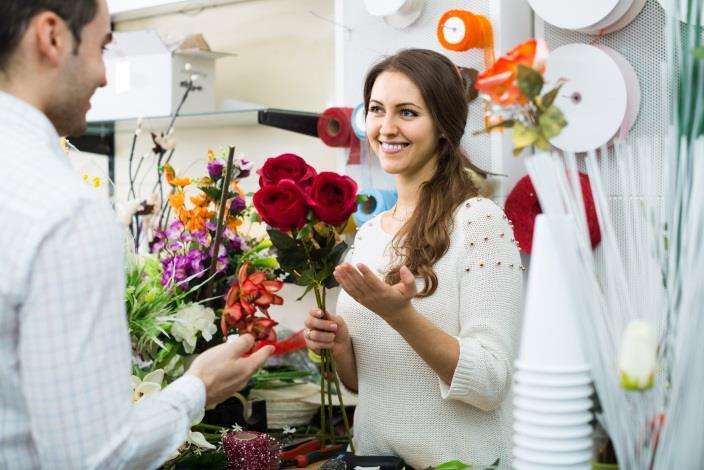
{"x": 20, "y": 119}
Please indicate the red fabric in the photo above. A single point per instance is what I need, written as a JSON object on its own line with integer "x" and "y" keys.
{"x": 522, "y": 207}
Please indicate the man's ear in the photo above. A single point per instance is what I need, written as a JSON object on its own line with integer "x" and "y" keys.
{"x": 51, "y": 35}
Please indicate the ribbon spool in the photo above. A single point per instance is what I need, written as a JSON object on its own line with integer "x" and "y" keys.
{"x": 335, "y": 130}
{"x": 379, "y": 200}
{"x": 632, "y": 90}
{"x": 592, "y": 17}
{"x": 593, "y": 98}
{"x": 396, "y": 13}
{"x": 359, "y": 125}
{"x": 249, "y": 450}
{"x": 461, "y": 30}
{"x": 624, "y": 13}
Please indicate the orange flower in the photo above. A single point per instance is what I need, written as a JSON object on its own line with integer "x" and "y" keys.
{"x": 202, "y": 200}
{"x": 171, "y": 177}
{"x": 236, "y": 187}
{"x": 233, "y": 223}
{"x": 500, "y": 81}
{"x": 211, "y": 155}
{"x": 176, "y": 200}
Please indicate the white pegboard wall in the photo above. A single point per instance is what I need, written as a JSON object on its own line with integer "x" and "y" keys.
{"x": 367, "y": 39}
{"x": 642, "y": 43}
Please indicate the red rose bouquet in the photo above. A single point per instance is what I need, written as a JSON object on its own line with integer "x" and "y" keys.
{"x": 306, "y": 213}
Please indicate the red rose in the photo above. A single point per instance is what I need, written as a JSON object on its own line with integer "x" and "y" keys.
{"x": 286, "y": 167}
{"x": 332, "y": 197}
{"x": 283, "y": 205}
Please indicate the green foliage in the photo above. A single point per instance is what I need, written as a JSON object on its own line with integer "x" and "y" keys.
{"x": 530, "y": 82}
{"x": 310, "y": 255}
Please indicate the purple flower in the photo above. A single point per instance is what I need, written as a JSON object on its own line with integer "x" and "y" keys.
{"x": 158, "y": 242}
{"x": 175, "y": 271}
{"x": 176, "y": 231}
{"x": 210, "y": 225}
{"x": 202, "y": 237}
{"x": 195, "y": 260}
{"x": 233, "y": 242}
{"x": 215, "y": 170}
{"x": 221, "y": 264}
{"x": 237, "y": 205}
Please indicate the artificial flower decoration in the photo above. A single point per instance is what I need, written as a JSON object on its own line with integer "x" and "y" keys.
{"x": 250, "y": 293}
{"x": 500, "y": 82}
{"x": 512, "y": 89}
{"x": 638, "y": 357}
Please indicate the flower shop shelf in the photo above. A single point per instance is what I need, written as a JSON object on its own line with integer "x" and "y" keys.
{"x": 240, "y": 117}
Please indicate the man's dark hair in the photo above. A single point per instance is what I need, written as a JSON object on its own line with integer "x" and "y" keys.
{"x": 15, "y": 15}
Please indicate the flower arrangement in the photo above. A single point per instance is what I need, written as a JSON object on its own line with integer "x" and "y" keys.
{"x": 512, "y": 90}
{"x": 306, "y": 212}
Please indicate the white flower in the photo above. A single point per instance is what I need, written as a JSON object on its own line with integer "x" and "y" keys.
{"x": 167, "y": 142}
{"x": 126, "y": 211}
{"x": 638, "y": 356}
{"x": 190, "y": 321}
{"x": 242, "y": 164}
{"x": 289, "y": 430}
{"x": 197, "y": 438}
{"x": 141, "y": 388}
{"x": 236, "y": 428}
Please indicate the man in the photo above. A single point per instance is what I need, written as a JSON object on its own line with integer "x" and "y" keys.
{"x": 65, "y": 400}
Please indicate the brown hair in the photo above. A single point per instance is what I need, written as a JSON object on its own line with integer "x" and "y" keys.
{"x": 16, "y": 15}
{"x": 425, "y": 237}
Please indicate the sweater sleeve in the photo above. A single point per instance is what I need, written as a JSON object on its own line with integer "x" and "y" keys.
{"x": 490, "y": 305}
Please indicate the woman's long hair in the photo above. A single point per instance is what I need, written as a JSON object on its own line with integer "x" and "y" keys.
{"x": 425, "y": 237}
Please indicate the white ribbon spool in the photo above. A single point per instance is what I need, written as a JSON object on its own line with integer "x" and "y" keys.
{"x": 570, "y": 14}
{"x": 593, "y": 98}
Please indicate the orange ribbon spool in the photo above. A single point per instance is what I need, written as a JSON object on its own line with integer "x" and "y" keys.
{"x": 461, "y": 30}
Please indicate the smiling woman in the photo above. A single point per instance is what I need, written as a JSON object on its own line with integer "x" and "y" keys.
{"x": 428, "y": 318}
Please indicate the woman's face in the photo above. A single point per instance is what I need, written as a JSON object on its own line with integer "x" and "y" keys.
{"x": 400, "y": 128}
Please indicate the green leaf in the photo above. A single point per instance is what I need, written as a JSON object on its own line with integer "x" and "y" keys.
{"x": 698, "y": 53}
{"x": 508, "y": 123}
{"x": 549, "y": 98}
{"x": 530, "y": 82}
{"x": 551, "y": 122}
{"x": 361, "y": 198}
{"x": 523, "y": 136}
{"x": 303, "y": 233}
{"x": 305, "y": 292}
{"x": 453, "y": 465}
{"x": 211, "y": 192}
{"x": 336, "y": 253}
{"x": 281, "y": 241}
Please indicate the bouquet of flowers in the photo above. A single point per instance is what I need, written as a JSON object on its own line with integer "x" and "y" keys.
{"x": 512, "y": 90}
{"x": 306, "y": 213}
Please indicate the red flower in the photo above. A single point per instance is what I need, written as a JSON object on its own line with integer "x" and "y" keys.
{"x": 286, "y": 167}
{"x": 283, "y": 206}
{"x": 500, "y": 82}
{"x": 249, "y": 293}
{"x": 332, "y": 197}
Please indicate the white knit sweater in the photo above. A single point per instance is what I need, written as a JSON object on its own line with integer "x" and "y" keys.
{"x": 403, "y": 408}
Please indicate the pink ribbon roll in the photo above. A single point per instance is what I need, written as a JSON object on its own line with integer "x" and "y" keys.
{"x": 249, "y": 450}
{"x": 335, "y": 130}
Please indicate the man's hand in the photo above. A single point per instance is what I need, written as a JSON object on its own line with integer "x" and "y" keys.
{"x": 224, "y": 371}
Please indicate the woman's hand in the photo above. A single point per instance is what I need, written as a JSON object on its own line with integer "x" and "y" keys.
{"x": 366, "y": 288}
{"x": 329, "y": 333}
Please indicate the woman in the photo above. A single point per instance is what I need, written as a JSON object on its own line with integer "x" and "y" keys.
{"x": 428, "y": 319}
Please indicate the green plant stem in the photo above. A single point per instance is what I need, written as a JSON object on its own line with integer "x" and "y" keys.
{"x": 207, "y": 427}
{"x": 327, "y": 364}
